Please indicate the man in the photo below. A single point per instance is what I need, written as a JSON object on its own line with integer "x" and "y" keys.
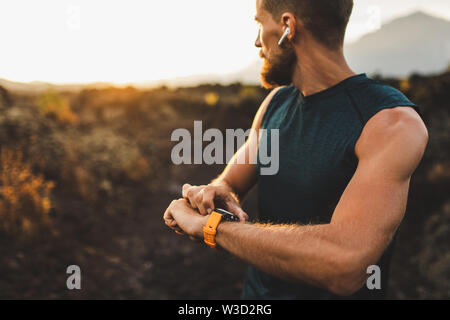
{"x": 348, "y": 148}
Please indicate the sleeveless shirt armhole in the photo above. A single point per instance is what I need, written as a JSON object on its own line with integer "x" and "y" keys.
{"x": 272, "y": 104}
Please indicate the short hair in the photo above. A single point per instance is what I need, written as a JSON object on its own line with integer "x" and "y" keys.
{"x": 326, "y": 20}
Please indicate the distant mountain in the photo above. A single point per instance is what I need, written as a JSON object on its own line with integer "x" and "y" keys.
{"x": 39, "y": 86}
{"x": 415, "y": 43}
{"x": 248, "y": 75}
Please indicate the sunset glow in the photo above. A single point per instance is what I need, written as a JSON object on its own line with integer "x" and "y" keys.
{"x": 137, "y": 41}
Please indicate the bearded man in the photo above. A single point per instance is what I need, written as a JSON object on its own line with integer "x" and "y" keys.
{"x": 348, "y": 148}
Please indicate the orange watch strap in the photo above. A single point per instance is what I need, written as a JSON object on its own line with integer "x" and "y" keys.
{"x": 210, "y": 229}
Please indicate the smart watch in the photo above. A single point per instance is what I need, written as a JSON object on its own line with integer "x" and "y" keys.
{"x": 210, "y": 229}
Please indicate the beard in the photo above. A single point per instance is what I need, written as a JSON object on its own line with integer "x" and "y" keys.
{"x": 279, "y": 70}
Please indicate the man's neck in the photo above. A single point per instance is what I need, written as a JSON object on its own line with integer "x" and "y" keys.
{"x": 319, "y": 69}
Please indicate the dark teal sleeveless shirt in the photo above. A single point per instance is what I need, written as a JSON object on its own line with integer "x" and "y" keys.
{"x": 317, "y": 137}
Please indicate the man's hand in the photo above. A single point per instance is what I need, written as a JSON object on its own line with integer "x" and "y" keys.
{"x": 205, "y": 198}
{"x": 183, "y": 219}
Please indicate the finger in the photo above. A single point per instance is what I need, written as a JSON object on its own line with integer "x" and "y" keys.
{"x": 168, "y": 214}
{"x": 184, "y": 189}
{"x": 179, "y": 233}
{"x": 190, "y": 196}
{"x": 170, "y": 222}
{"x": 177, "y": 228}
{"x": 172, "y": 225}
{"x": 242, "y": 215}
{"x": 167, "y": 217}
{"x": 199, "y": 201}
{"x": 208, "y": 199}
{"x": 237, "y": 210}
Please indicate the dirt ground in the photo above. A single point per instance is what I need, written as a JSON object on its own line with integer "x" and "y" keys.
{"x": 138, "y": 257}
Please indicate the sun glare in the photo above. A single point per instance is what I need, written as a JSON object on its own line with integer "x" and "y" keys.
{"x": 124, "y": 41}
{"x": 79, "y": 41}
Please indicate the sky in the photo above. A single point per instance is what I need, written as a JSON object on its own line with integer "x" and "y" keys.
{"x": 132, "y": 41}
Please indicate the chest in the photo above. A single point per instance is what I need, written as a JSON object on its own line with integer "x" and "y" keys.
{"x": 315, "y": 149}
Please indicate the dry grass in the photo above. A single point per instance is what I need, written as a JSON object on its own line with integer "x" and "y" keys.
{"x": 24, "y": 197}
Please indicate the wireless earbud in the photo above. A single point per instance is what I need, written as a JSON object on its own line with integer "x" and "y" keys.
{"x": 285, "y": 34}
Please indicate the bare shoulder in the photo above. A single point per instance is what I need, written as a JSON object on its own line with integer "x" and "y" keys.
{"x": 393, "y": 124}
{"x": 397, "y": 135}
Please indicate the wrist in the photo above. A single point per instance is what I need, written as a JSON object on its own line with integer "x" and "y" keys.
{"x": 215, "y": 223}
{"x": 223, "y": 226}
{"x": 201, "y": 223}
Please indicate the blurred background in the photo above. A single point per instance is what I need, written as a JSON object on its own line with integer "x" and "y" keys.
{"x": 90, "y": 92}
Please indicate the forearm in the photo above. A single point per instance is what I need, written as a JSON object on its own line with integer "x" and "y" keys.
{"x": 238, "y": 178}
{"x": 310, "y": 254}
{"x": 222, "y": 181}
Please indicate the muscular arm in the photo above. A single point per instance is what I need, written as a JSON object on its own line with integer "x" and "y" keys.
{"x": 240, "y": 178}
{"x": 335, "y": 256}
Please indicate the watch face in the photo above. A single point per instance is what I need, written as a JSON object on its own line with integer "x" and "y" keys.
{"x": 227, "y": 216}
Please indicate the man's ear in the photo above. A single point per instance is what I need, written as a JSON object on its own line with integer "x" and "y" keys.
{"x": 289, "y": 20}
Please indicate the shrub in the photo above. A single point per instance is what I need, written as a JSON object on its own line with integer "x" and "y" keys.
{"x": 54, "y": 105}
{"x": 24, "y": 197}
